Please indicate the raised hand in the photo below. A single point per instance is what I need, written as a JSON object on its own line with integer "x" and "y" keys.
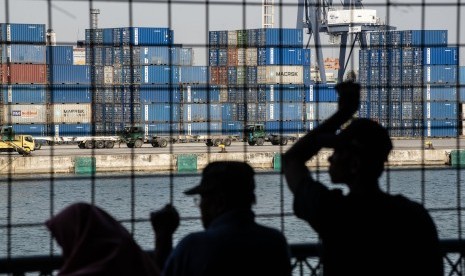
{"x": 165, "y": 221}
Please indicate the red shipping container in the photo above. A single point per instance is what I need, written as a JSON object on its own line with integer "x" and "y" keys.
{"x": 23, "y": 73}
{"x": 219, "y": 75}
{"x": 232, "y": 57}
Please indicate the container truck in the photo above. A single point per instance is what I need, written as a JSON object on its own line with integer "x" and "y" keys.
{"x": 255, "y": 134}
{"x": 132, "y": 136}
{"x": 9, "y": 142}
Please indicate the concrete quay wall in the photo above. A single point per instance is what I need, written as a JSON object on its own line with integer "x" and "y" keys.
{"x": 16, "y": 164}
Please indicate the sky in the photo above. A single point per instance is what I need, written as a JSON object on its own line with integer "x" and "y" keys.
{"x": 191, "y": 19}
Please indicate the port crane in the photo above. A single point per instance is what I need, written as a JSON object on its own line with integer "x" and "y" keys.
{"x": 321, "y": 16}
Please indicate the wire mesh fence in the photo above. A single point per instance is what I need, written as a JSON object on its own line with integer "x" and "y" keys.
{"x": 192, "y": 77}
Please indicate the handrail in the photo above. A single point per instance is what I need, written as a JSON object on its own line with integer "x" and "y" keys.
{"x": 300, "y": 253}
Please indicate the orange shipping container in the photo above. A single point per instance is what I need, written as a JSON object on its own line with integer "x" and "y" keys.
{"x": 232, "y": 57}
{"x": 219, "y": 75}
{"x": 23, "y": 73}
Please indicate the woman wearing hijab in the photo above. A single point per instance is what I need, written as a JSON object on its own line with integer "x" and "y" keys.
{"x": 94, "y": 243}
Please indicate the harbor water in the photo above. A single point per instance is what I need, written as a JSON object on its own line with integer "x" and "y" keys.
{"x": 28, "y": 202}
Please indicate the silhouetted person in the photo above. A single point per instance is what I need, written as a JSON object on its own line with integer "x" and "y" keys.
{"x": 367, "y": 231}
{"x": 232, "y": 243}
{"x": 94, "y": 243}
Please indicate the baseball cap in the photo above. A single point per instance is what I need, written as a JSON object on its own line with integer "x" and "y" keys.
{"x": 364, "y": 136}
{"x": 227, "y": 177}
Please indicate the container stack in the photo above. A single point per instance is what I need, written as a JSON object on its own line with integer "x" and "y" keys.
{"x": 137, "y": 73}
{"x": 70, "y": 92}
{"x": 265, "y": 73}
{"x": 23, "y": 77}
{"x": 409, "y": 83}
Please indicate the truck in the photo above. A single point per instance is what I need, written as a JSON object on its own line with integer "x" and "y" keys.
{"x": 9, "y": 142}
{"x": 132, "y": 136}
{"x": 256, "y": 135}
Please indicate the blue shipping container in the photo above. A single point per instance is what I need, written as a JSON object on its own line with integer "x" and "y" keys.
{"x": 161, "y": 112}
{"x": 202, "y": 128}
{"x": 319, "y": 110}
{"x": 289, "y": 127}
{"x": 108, "y": 37}
{"x": 22, "y": 33}
{"x": 200, "y": 94}
{"x": 202, "y": 112}
{"x": 213, "y": 38}
{"x": 213, "y": 57}
{"x": 279, "y": 37}
{"x": 440, "y": 56}
{"x": 156, "y": 55}
{"x": 424, "y": 38}
{"x": 60, "y": 55}
{"x": 69, "y": 74}
{"x": 440, "y": 74}
{"x": 34, "y": 130}
{"x": 229, "y": 112}
{"x": 283, "y": 56}
{"x": 70, "y": 93}
{"x": 24, "y": 93}
{"x": 185, "y": 56}
{"x": 440, "y": 93}
{"x": 161, "y": 93}
{"x": 158, "y": 74}
{"x": 233, "y": 128}
{"x": 23, "y": 53}
{"x": 284, "y": 93}
{"x": 321, "y": 93}
{"x": 162, "y": 129}
{"x": 284, "y": 111}
{"x": 71, "y": 130}
{"x": 194, "y": 74}
{"x": 441, "y": 128}
{"x": 440, "y": 110}
{"x": 251, "y": 112}
{"x": 143, "y": 36}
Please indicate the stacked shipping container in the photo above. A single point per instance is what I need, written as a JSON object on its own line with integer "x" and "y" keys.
{"x": 409, "y": 83}
{"x": 137, "y": 72}
{"x": 265, "y": 73}
{"x": 23, "y": 77}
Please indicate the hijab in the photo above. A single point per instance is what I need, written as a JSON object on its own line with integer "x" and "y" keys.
{"x": 94, "y": 243}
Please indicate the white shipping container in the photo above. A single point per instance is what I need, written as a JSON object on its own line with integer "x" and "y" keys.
{"x": 71, "y": 113}
{"x": 79, "y": 56}
{"x": 108, "y": 74}
{"x": 232, "y": 38}
{"x": 24, "y": 114}
{"x": 241, "y": 57}
{"x": 280, "y": 75}
{"x": 251, "y": 56}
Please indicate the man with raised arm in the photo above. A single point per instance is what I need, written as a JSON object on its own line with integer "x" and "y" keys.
{"x": 366, "y": 231}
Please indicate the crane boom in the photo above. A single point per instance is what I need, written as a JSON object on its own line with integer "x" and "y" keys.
{"x": 319, "y": 16}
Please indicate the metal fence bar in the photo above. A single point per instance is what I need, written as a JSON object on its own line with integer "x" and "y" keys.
{"x": 304, "y": 258}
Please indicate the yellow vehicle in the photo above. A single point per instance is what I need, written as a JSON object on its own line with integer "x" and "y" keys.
{"x": 9, "y": 142}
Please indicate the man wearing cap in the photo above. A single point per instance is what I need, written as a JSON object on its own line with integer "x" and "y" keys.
{"x": 366, "y": 231}
{"x": 232, "y": 243}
